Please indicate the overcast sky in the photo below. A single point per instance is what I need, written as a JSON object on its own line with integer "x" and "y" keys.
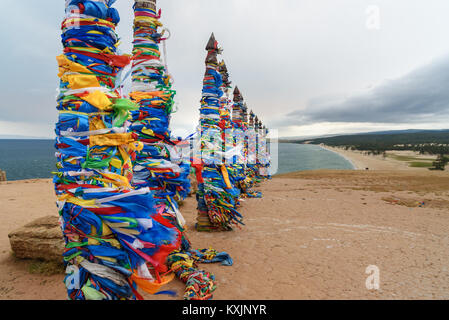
{"x": 306, "y": 67}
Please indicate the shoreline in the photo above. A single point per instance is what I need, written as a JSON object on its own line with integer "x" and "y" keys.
{"x": 355, "y": 167}
{"x": 30, "y": 180}
{"x": 357, "y": 160}
{"x": 369, "y": 162}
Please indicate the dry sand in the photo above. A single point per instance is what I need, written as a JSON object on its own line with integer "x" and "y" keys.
{"x": 312, "y": 236}
{"x": 362, "y": 161}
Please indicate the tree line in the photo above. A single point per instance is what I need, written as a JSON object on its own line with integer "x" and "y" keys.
{"x": 423, "y": 142}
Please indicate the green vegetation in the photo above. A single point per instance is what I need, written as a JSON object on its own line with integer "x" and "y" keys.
{"x": 424, "y": 142}
{"x": 47, "y": 268}
{"x": 415, "y": 138}
{"x": 408, "y": 158}
{"x": 440, "y": 163}
{"x": 416, "y": 164}
{"x": 413, "y": 162}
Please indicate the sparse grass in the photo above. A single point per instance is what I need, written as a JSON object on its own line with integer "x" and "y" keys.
{"x": 416, "y": 164}
{"x": 401, "y": 158}
{"x": 380, "y": 181}
{"x": 413, "y": 162}
{"x": 409, "y": 203}
{"x": 47, "y": 268}
{"x": 409, "y": 158}
{"x": 414, "y": 203}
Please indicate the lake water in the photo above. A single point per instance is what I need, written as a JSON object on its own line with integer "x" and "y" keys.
{"x": 32, "y": 159}
{"x": 300, "y": 157}
{"x": 27, "y": 159}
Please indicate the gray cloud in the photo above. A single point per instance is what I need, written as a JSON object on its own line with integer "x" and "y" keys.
{"x": 420, "y": 96}
{"x": 280, "y": 53}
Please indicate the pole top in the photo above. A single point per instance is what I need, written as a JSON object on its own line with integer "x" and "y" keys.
{"x": 212, "y": 50}
{"x": 212, "y": 43}
{"x": 223, "y": 67}
{"x": 146, "y": 4}
{"x": 237, "y": 95}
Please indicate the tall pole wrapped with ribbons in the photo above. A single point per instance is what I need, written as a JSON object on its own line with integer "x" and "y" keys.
{"x": 252, "y": 148}
{"x": 238, "y": 133}
{"x": 267, "y": 152}
{"x": 115, "y": 240}
{"x": 227, "y": 130}
{"x": 242, "y": 133}
{"x": 245, "y": 126}
{"x": 152, "y": 91}
{"x": 224, "y": 110}
{"x": 258, "y": 150}
{"x": 158, "y": 166}
{"x": 216, "y": 195}
{"x": 245, "y": 140}
{"x": 255, "y": 149}
{"x": 263, "y": 153}
{"x": 257, "y": 127}
{"x": 251, "y": 175}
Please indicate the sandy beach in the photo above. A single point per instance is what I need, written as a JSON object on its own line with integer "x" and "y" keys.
{"x": 311, "y": 236}
{"x": 378, "y": 162}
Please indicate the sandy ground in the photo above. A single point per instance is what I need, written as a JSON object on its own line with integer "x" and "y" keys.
{"x": 312, "y": 236}
{"x": 362, "y": 161}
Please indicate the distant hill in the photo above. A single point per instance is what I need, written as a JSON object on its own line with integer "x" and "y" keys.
{"x": 399, "y": 131}
{"x": 384, "y": 138}
{"x": 300, "y": 138}
{"x": 309, "y": 138}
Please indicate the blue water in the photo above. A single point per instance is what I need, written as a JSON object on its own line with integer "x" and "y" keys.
{"x": 32, "y": 159}
{"x": 300, "y": 157}
{"x": 27, "y": 159}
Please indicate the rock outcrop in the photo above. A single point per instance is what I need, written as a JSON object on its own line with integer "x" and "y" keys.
{"x": 40, "y": 239}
